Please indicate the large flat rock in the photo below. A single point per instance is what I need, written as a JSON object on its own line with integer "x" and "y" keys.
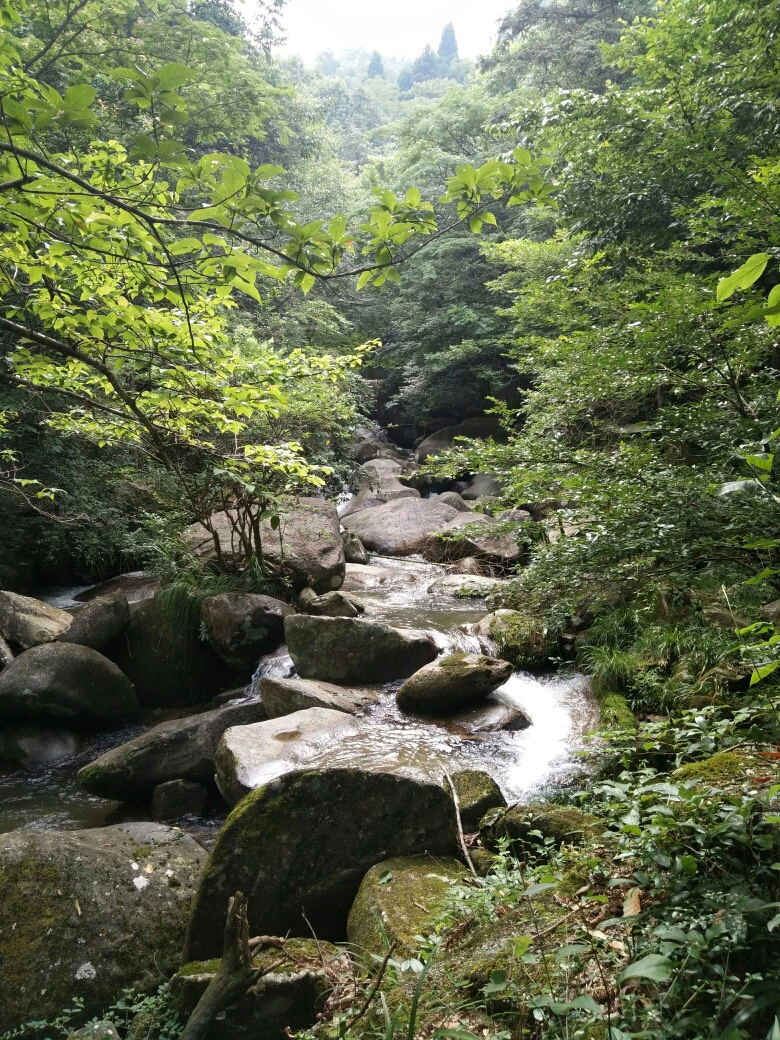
{"x": 352, "y": 651}
{"x": 27, "y": 622}
{"x": 303, "y": 843}
{"x": 284, "y": 696}
{"x": 477, "y": 535}
{"x": 181, "y": 749}
{"x": 401, "y": 527}
{"x": 89, "y": 913}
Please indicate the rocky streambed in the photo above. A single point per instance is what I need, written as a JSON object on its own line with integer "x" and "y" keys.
{"x": 330, "y": 725}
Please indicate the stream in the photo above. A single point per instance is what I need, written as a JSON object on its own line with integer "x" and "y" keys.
{"x": 538, "y": 758}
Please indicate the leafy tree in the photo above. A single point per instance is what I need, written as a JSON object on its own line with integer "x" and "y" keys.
{"x": 426, "y": 66}
{"x": 375, "y": 66}
{"x": 448, "y": 46}
{"x": 405, "y": 80}
{"x": 327, "y": 64}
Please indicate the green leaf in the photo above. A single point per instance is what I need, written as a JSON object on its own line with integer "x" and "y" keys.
{"x": 763, "y": 671}
{"x": 653, "y": 967}
{"x": 173, "y": 75}
{"x": 385, "y": 877}
{"x": 743, "y": 277}
{"x": 79, "y": 96}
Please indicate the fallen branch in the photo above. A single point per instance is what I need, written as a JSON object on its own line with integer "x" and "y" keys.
{"x": 461, "y": 836}
{"x": 236, "y": 973}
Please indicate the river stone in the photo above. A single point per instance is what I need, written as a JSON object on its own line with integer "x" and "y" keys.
{"x": 465, "y": 586}
{"x": 480, "y": 426}
{"x": 27, "y": 622}
{"x": 288, "y": 998}
{"x": 562, "y": 823}
{"x": 98, "y": 621}
{"x": 354, "y": 550}
{"x": 379, "y": 483}
{"x": 303, "y": 843}
{"x": 284, "y": 696}
{"x": 451, "y": 682}
{"x": 242, "y": 626}
{"x": 311, "y": 550}
{"x": 167, "y": 662}
{"x": 34, "y": 748}
{"x": 470, "y": 565}
{"x": 66, "y": 684}
{"x": 477, "y": 794}
{"x": 401, "y": 527}
{"x": 493, "y": 715}
{"x": 452, "y": 498}
{"x": 180, "y": 749}
{"x": 135, "y": 585}
{"x": 519, "y": 637}
{"x": 249, "y": 756}
{"x": 473, "y": 534}
{"x": 89, "y": 913}
{"x": 332, "y": 604}
{"x": 352, "y": 651}
{"x": 177, "y": 798}
{"x": 362, "y": 577}
{"x": 397, "y": 899}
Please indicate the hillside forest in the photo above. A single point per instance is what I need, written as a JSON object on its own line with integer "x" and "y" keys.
{"x": 271, "y": 333}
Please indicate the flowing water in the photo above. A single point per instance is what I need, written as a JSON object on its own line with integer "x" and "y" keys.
{"x": 560, "y": 708}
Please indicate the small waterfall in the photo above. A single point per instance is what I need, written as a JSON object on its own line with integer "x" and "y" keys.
{"x": 276, "y": 665}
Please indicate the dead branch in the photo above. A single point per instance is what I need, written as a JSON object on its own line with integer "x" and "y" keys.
{"x": 461, "y": 836}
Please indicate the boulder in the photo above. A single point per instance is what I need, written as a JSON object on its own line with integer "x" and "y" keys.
{"x": 520, "y": 638}
{"x": 479, "y": 427}
{"x": 352, "y": 651}
{"x": 452, "y": 498}
{"x": 249, "y": 756}
{"x": 379, "y": 483}
{"x": 66, "y": 684}
{"x": 135, "y": 586}
{"x": 483, "y": 485}
{"x": 34, "y": 748}
{"x": 307, "y": 544}
{"x": 402, "y": 527}
{"x": 333, "y": 604}
{"x": 362, "y": 577}
{"x": 451, "y": 682}
{"x": 180, "y": 749}
{"x": 98, "y": 621}
{"x": 167, "y": 662}
{"x": 285, "y": 1001}
{"x": 474, "y": 534}
{"x": 284, "y": 696}
{"x": 562, "y": 823}
{"x": 397, "y": 899}
{"x": 354, "y": 550}
{"x": 86, "y": 914}
{"x": 465, "y": 586}
{"x": 305, "y": 841}
{"x": 470, "y": 565}
{"x": 477, "y": 794}
{"x": 27, "y": 622}
{"x": 177, "y": 798}
{"x": 242, "y": 627}
{"x": 493, "y": 715}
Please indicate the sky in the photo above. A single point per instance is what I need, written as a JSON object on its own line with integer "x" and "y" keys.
{"x": 398, "y": 28}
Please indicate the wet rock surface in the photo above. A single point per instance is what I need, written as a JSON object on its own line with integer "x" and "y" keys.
{"x": 452, "y": 682}
{"x": 89, "y": 913}
{"x": 177, "y": 798}
{"x": 284, "y": 696}
{"x": 69, "y": 685}
{"x": 34, "y": 747}
{"x": 306, "y": 841}
{"x": 26, "y": 622}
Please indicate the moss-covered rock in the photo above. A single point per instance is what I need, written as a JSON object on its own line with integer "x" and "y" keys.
{"x": 520, "y": 638}
{"x": 477, "y": 793}
{"x": 89, "y": 913}
{"x": 562, "y": 823}
{"x": 306, "y": 841}
{"x": 614, "y": 712}
{"x": 725, "y": 769}
{"x": 287, "y": 998}
{"x": 453, "y": 682}
{"x": 396, "y": 899}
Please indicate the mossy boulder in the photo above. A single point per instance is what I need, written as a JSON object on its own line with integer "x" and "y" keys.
{"x": 352, "y": 651}
{"x": 396, "y": 899}
{"x": 614, "y": 712}
{"x": 723, "y": 770}
{"x": 452, "y": 682}
{"x": 288, "y": 998}
{"x": 305, "y": 842}
{"x": 520, "y": 638}
{"x": 89, "y": 913}
{"x": 562, "y": 823}
{"x": 477, "y": 793}
{"x": 165, "y": 659}
{"x": 69, "y": 685}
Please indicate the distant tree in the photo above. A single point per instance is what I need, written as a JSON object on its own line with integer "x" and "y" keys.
{"x": 448, "y": 46}
{"x": 405, "y": 80}
{"x": 426, "y": 66}
{"x": 326, "y": 64}
{"x": 375, "y": 66}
